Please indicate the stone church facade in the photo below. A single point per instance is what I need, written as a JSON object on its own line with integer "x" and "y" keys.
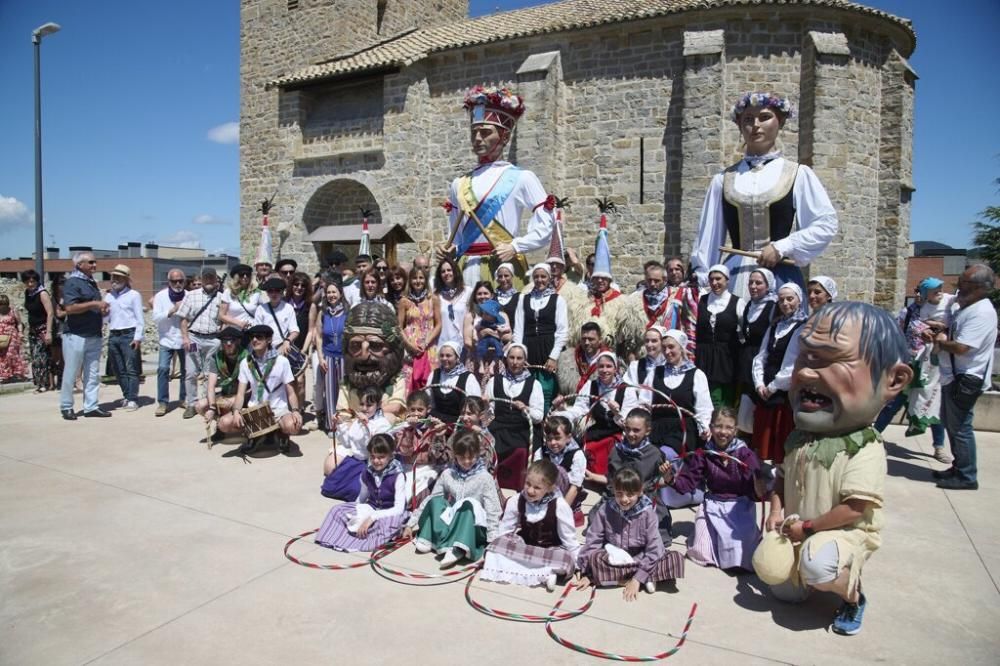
{"x": 357, "y": 103}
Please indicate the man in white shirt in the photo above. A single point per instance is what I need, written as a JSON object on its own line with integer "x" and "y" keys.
{"x": 199, "y": 315}
{"x": 240, "y": 300}
{"x": 352, "y": 287}
{"x": 166, "y": 303}
{"x": 266, "y": 377}
{"x": 966, "y": 354}
{"x": 277, "y": 314}
{"x": 125, "y": 328}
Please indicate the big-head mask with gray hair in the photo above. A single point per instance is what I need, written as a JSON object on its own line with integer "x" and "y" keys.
{"x": 852, "y": 360}
{"x": 373, "y": 348}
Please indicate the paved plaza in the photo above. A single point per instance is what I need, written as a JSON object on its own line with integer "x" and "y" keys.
{"x": 126, "y": 541}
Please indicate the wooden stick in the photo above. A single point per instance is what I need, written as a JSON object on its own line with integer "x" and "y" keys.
{"x": 756, "y": 255}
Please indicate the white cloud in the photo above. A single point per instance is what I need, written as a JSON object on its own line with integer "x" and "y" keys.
{"x": 13, "y": 213}
{"x": 205, "y": 218}
{"x": 182, "y": 238}
{"x": 225, "y": 133}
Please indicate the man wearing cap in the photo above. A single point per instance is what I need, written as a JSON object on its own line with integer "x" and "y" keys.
{"x": 485, "y": 206}
{"x": 286, "y": 269}
{"x": 125, "y": 331}
{"x": 166, "y": 303}
{"x": 277, "y": 314}
{"x": 199, "y": 314}
{"x": 265, "y": 376}
{"x": 82, "y": 340}
{"x": 240, "y": 300}
{"x": 223, "y": 375}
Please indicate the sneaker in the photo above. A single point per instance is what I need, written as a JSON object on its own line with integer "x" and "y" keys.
{"x": 189, "y": 412}
{"x": 161, "y": 409}
{"x": 550, "y": 583}
{"x": 942, "y": 456}
{"x": 650, "y": 586}
{"x": 422, "y": 545}
{"x": 450, "y": 559}
{"x": 131, "y": 406}
{"x": 955, "y": 483}
{"x": 848, "y": 620}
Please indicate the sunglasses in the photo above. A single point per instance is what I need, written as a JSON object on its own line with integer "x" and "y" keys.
{"x": 291, "y": 272}
{"x": 181, "y": 281}
{"x": 89, "y": 261}
{"x": 275, "y": 291}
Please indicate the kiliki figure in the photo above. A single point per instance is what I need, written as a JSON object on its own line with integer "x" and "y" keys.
{"x": 486, "y": 205}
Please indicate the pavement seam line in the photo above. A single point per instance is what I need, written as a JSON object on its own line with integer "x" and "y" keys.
{"x": 968, "y": 536}
{"x": 151, "y": 497}
{"x": 187, "y": 612}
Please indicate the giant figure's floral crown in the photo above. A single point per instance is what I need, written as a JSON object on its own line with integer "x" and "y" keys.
{"x": 763, "y": 100}
{"x": 490, "y": 105}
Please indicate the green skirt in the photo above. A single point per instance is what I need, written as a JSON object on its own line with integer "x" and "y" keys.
{"x": 462, "y": 533}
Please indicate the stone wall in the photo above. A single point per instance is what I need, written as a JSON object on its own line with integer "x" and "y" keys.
{"x": 637, "y": 112}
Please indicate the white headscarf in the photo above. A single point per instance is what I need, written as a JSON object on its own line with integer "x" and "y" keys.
{"x": 827, "y": 283}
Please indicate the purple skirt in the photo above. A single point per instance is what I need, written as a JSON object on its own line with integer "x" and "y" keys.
{"x": 333, "y": 533}
{"x": 725, "y": 533}
{"x": 344, "y": 483}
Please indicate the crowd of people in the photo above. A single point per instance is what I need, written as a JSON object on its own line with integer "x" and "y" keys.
{"x": 439, "y": 387}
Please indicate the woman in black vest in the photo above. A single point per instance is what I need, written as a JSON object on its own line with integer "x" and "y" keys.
{"x": 687, "y": 386}
{"x": 772, "y": 376}
{"x": 604, "y": 425}
{"x": 507, "y": 295}
{"x": 753, "y": 325}
{"x": 510, "y": 426}
{"x": 446, "y": 403}
{"x": 718, "y": 337}
{"x": 542, "y": 326}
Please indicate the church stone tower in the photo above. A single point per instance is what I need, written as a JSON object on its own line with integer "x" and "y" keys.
{"x": 280, "y": 36}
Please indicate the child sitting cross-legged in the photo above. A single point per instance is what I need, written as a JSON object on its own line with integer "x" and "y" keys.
{"x": 379, "y": 512}
{"x": 537, "y": 541}
{"x": 461, "y": 515}
{"x": 623, "y": 542}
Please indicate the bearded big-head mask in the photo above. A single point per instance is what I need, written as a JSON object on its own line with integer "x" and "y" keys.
{"x": 373, "y": 346}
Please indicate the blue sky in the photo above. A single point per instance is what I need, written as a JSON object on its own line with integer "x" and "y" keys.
{"x": 141, "y": 100}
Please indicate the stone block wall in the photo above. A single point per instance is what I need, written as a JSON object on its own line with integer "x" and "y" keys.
{"x": 637, "y": 112}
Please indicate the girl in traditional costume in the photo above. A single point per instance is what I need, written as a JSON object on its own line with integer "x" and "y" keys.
{"x": 725, "y": 526}
{"x": 753, "y": 325}
{"x": 542, "y": 326}
{"x": 718, "y": 349}
{"x": 537, "y": 541}
{"x": 462, "y": 514}
{"x": 600, "y": 403}
{"x": 520, "y": 400}
{"x": 378, "y": 513}
{"x": 571, "y": 462}
{"x": 820, "y": 291}
{"x": 347, "y": 457}
{"x": 772, "y": 376}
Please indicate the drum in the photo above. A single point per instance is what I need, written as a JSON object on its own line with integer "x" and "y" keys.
{"x": 258, "y": 421}
{"x": 297, "y": 360}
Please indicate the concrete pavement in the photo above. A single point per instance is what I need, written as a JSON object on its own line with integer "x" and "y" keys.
{"x": 126, "y": 541}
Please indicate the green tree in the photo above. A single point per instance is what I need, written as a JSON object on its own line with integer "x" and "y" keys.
{"x": 986, "y": 235}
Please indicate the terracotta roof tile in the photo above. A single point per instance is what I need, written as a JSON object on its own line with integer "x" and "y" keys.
{"x": 414, "y": 45}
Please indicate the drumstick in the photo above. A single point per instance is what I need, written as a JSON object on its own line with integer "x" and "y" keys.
{"x": 756, "y": 255}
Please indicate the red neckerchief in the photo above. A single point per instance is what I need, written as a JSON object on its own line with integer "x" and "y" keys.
{"x": 584, "y": 367}
{"x": 601, "y": 301}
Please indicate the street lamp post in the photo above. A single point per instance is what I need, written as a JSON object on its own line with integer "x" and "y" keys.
{"x": 36, "y": 39}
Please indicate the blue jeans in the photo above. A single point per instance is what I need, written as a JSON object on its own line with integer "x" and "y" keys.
{"x": 163, "y": 374}
{"x": 123, "y": 361}
{"x": 888, "y": 413}
{"x": 958, "y": 423}
{"x": 80, "y": 353}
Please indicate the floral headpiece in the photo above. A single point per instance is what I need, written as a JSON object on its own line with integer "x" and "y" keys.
{"x": 764, "y": 100}
{"x": 490, "y": 105}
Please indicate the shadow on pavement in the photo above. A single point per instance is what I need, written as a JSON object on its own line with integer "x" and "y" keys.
{"x": 816, "y": 612}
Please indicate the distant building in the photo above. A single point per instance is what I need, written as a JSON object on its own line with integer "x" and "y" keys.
{"x": 149, "y": 263}
{"x": 932, "y": 259}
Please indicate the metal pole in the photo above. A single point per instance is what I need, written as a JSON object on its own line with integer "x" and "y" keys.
{"x": 39, "y": 242}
